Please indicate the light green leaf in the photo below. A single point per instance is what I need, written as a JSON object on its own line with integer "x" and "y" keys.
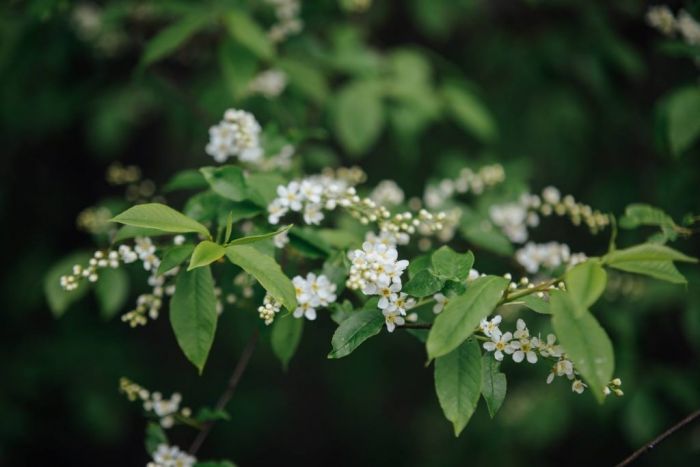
{"x": 535, "y": 303}
{"x": 238, "y": 66}
{"x": 493, "y": 384}
{"x": 308, "y": 79}
{"x": 354, "y": 330}
{"x": 266, "y": 270}
{"x": 174, "y": 256}
{"x": 448, "y": 264}
{"x": 186, "y": 180}
{"x": 193, "y": 314}
{"x": 205, "y": 253}
{"x": 285, "y": 337}
{"x": 481, "y": 232}
{"x": 417, "y": 264}
{"x": 247, "y": 32}
{"x": 463, "y": 313}
{"x": 683, "y": 119}
{"x": 309, "y": 243}
{"x": 644, "y": 214}
{"x": 257, "y": 238}
{"x": 469, "y": 112}
{"x": 646, "y": 252}
{"x": 358, "y": 116}
{"x": 59, "y": 299}
{"x": 424, "y": 283}
{"x": 662, "y": 270}
{"x": 586, "y": 282}
{"x": 160, "y": 217}
{"x": 584, "y": 341}
{"x": 112, "y": 290}
{"x": 171, "y": 38}
{"x": 263, "y": 187}
{"x": 226, "y": 181}
{"x": 458, "y": 383}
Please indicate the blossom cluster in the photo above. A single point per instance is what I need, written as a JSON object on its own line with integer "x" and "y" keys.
{"x": 288, "y": 22}
{"x": 514, "y": 218}
{"x": 376, "y": 270}
{"x": 551, "y": 255}
{"x": 165, "y": 409}
{"x": 269, "y": 309}
{"x": 387, "y": 193}
{"x": 661, "y": 18}
{"x": 467, "y": 181}
{"x": 100, "y": 260}
{"x": 312, "y": 292}
{"x": 521, "y": 346}
{"x": 269, "y": 83}
{"x": 171, "y": 456}
{"x": 314, "y": 194}
{"x": 237, "y": 135}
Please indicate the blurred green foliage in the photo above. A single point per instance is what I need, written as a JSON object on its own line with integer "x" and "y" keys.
{"x": 584, "y": 95}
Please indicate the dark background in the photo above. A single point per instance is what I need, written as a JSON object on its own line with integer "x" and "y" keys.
{"x": 575, "y": 89}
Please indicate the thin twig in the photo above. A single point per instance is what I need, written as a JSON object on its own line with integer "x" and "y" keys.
{"x": 658, "y": 439}
{"x": 228, "y": 393}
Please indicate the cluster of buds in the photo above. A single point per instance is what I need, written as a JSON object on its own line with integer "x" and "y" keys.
{"x": 100, "y": 260}
{"x": 165, "y": 409}
{"x": 468, "y": 181}
{"x": 269, "y": 309}
{"x": 94, "y": 220}
{"x": 288, "y": 21}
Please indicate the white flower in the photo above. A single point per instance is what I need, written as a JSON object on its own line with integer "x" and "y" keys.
{"x": 171, "y": 456}
{"x": 269, "y": 83}
{"x": 311, "y": 191}
{"x": 387, "y": 193}
{"x": 440, "y": 302}
{"x": 276, "y": 210}
{"x": 402, "y": 303}
{"x": 491, "y": 327}
{"x": 551, "y": 195}
{"x": 549, "y": 348}
{"x": 237, "y": 135}
{"x": 524, "y": 348}
{"x": 313, "y": 214}
{"x": 392, "y": 319}
{"x": 305, "y": 310}
{"x": 578, "y": 386}
{"x": 312, "y": 292}
{"x": 499, "y": 344}
{"x": 388, "y": 295}
{"x": 281, "y": 239}
{"x": 289, "y": 196}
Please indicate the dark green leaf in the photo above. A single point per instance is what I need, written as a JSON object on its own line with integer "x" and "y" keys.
{"x": 59, "y": 299}
{"x": 246, "y": 31}
{"x": 285, "y": 338}
{"x": 424, "y": 283}
{"x": 260, "y": 237}
{"x": 112, "y": 290}
{"x": 193, "y": 314}
{"x": 358, "y": 116}
{"x": 172, "y": 37}
{"x": 226, "y": 181}
{"x": 174, "y": 256}
{"x": 458, "y": 383}
{"x": 493, "y": 384}
{"x": 186, "y": 180}
{"x": 354, "y": 331}
{"x": 450, "y": 265}
{"x": 154, "y": 437}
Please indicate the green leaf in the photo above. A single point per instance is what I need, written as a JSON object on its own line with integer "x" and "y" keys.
{"x": 160, "y": 217}
{"x": 171, "y": 38}
{"x": 481, "y": 233}
{"x": 129, "y": 231}
{"x": 469, "y": 112}
{"x": 458, "y": 383}
{"x": 205, "y": 253}
{"x": 309, "y": 243}
{"x": 358, "y": 116}
{"x": 186, "y": 180}
{"x": 174, "y": 256}
{"x": 683, "y": 119}
{"x": 59, "y": 299}
{"x": 285, "y": 338}
{"x": 238, "y": 66}
{"x": 257, "y": 238}
{"x": 448, "y": 264}
{"x": 229, "y": 227}
{"x": 248, "y": 33}
{"x": 112, "y": 290}
{"x": 584, "y": 341}
{"x": 650, "y": 259}
{"x": 493, "y": 384}
{"x": 417, "y": 264}
{"x": 262, "y": 187}
{"x": 586, "y": 282}
{"x": 536, "y": 304}
{"x": 424, "y": 283}
{"x": 354, "y": 330}
{"x": 193, "y": 314}
{"x": 644, "y": 214}
{"x": 462, "y": 314}
{"x": 205, "y": 414}
{"x": 305, "y": 77}
{"x": 226, "y": 181}
{"x": 336, "y": 268}
{"x": 154, "y": 437}
{"x": 266, "y": 270}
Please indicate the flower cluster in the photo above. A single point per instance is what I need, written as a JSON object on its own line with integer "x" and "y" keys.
{"x": 95, "y": 220}
{"x": 288, "y": 21}
{"x": 514, "y": 218}
{"x": 269, "y": 309}
{"x": 171, "y": 456}
{"x": 237, "y": 135}
{"x": 661, "y": 18}
{"x": 269, "y": 83}
{"x": 387, "y": 193}
{"x": 551, "y": 255}
{"x": 376, "y": 270}
{"x": 165, "y": 409}
{"x": 311, "y": 293}
{"x": 467, "y": 181}
{"x": 282, "y": 160}
{"x": 522, "y": 346}
{"x": 100, "y": 260}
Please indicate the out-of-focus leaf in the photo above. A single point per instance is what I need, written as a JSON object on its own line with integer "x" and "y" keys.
{"x": 359, "y": 116}
{"x": 285, "y": 337}
{"x": 172, "y": 37}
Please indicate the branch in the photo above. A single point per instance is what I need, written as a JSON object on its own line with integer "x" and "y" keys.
{"x": 651, "y": 445}
{"x": 228, "y": 393}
